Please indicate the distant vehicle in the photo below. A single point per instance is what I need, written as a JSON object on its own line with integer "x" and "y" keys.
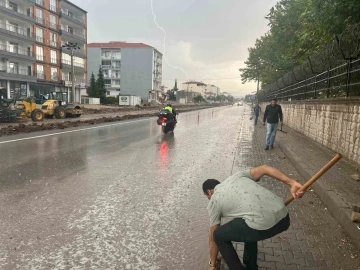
{"x": 167, "y": 121}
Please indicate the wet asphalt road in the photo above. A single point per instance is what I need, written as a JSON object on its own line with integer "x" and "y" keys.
{"x": 118, "y": 196}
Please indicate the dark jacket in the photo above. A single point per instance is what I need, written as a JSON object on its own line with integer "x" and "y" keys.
{"x": 257, "y": 110}
{"x": 273, "y": 114}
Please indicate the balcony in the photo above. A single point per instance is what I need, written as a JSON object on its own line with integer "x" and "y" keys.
{"x": 39, "y": 3}
{"x": 54, "y": 44}
{"x": 53, "y": 26}
{"x": 80, "y": 53}
{"x": 77, "y": 66}
{"x": 40, "y": 39}
{"x": 15, "y": 31}
{"x": 72, "y": 18}
{"x": 16, "y": 53}
{"x": 40, "y": 20}
{"x": 40, "y": 58}
{"x": 7, "y": 73}
{"x": 159, "y": 60}
{"x": 73, "y": 34}
{"x": 77, "y": 81}
{"x": 53, "y": 9}
{"x": 54, "y": 61}
{"x": 6, "y": 7}
{"x": 110, "y": 57}
{"x": 40, "y": 75}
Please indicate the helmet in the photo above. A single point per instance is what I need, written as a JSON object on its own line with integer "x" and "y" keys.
{"x": 169, "y": 104}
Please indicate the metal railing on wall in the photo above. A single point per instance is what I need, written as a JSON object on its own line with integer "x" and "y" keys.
{"x": 331, "y": 73}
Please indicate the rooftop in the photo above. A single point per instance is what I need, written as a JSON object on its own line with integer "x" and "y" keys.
{"x": 117, "y": 44}
{"x": 75, "y": 6}
{"x": 195, "y": 82}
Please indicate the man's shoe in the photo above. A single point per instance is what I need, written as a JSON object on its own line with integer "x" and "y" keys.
{"x": 267, "y": 148}
{"x": 272, "y": 146}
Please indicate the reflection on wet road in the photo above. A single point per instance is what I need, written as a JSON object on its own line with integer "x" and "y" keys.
{"x": 122, "y": 196}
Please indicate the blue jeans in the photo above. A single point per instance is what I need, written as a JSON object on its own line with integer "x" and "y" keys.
{"x": 256, "y": 118}
{"x": 271, "y": 133}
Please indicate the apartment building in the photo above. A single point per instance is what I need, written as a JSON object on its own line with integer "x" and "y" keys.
{"x": 195, "y": 87}
{"x": 16, "y": 48}
{"x": 129, "y": 68}
{"x": 33, "y": 61}
{"x": 213, "y": 89}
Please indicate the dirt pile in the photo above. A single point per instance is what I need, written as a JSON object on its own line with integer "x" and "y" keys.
{"x": 22, "y": 128}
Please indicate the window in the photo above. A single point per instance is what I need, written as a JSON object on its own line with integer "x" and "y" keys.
{"x": 53, "y": 39}
{"x": 53, "y": 22}
{"x": 14, "y": 67}
{"x": 39, "y": 53}
{"x": 40, "y": 71}
{"x": 53, "y": 5}
{"x": 54, "y": 74}
{"x": 39, "y": 35}
{"x": 39, "y": 16}
{"x": 70, "y": 30}
{"x": 13, "y": 47}
{"x": 79, "y": 62}
{"x": 13, "y": 27}
{"x": 66, "y": 59}
{"x": 40, "y": 2}
{"x": 53, "y": 57}
{"x": 13, "y": 6}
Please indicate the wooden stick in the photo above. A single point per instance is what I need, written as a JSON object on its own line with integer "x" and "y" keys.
{"x": 320, "y": 173}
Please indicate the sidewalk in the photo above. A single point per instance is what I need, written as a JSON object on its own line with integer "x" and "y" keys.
{"x": 314, "y": 240}
{"x": 336, "y": 189}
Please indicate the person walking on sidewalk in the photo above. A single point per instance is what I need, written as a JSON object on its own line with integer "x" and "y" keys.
{"x": 258, "y": 214}
{"x": 273, "y": 113}
{"x": 257, "y": 111}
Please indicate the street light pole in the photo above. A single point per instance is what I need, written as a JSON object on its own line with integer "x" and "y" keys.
{"x": 71, "y": 47}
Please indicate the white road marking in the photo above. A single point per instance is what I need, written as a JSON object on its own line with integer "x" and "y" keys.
{"x": 72, "y": 131}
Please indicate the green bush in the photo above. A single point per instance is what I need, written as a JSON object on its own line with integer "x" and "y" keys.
{"x": 110, "y": 100}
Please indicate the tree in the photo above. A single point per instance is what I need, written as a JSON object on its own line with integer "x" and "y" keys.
{"x": 171, "y": 94}
{"x": 100, "y": 86}
{"x": 199, "y": 99}
{"x": 92, "y": 90}
{"x": 298, "y": 29}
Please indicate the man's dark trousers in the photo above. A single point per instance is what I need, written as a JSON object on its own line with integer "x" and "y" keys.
{"x": 238, "y": 231}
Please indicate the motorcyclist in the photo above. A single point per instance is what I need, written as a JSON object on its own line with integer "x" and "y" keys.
{"x": 170, "y": 108}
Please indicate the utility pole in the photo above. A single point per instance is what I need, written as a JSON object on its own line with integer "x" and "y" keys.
{"x": 71, "y": 47}
{"x": 187, "y": 93}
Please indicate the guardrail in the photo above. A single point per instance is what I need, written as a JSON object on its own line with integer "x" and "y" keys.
{"x": 341, "y": 81}
{"x": 15, "y": 50}
{"x": 16, "y": 29}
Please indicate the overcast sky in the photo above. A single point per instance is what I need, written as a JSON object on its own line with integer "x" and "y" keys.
{"x": 205, "y": 38}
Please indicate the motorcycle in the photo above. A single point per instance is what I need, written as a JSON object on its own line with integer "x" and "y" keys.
{"x": 167, "y": 121}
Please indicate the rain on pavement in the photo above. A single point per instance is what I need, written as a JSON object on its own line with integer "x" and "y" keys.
{"x": 119, "y": 196}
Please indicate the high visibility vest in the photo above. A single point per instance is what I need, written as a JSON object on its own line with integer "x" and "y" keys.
{"x": 170, "y": 109}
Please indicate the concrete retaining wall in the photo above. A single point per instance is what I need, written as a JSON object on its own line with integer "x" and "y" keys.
{"x": 334, "y": 123}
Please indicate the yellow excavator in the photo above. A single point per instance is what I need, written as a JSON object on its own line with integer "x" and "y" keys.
{"x": 28, "y": 109}
{"x": 51, "y": 108}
